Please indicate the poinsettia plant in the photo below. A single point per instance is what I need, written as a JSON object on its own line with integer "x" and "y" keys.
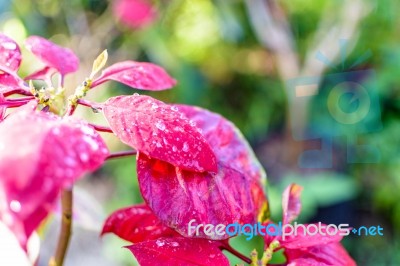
{"x": 192, "y": 164}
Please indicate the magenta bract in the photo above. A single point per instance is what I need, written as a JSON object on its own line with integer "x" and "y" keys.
{"x": 41, "y": 153}
{"x": 10, "y": 54}
{"x": 136, "y": 224}
{"x": 178, "y": 251}
{"x": 134, "y": 13}
{"x": 139, "y": 75}
{"x": 60, "y": 58}
{"x": 291, "y": 203}
{"x": 160, "y": 131}
{"x": 233, "y": 194}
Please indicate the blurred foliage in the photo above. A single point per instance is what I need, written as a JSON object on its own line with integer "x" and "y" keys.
{"x": 211, "y": 49}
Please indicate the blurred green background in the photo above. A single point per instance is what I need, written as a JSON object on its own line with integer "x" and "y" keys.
{"x": 237, "y": 57}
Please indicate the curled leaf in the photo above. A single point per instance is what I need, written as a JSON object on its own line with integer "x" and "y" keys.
{"x": 139, "y": 75}
{"x": 291, "y": 203}
{"x": 160, "y": 131}
{"x": 136, "y": 224}
{"x": 42, "y": 74}
{"x": 178, "y": 251}
{"x": 234, "y": 194}
{"x": 40, "y": 154}
{"x": 60, "y": 58}
{"x": 99, "y": 63}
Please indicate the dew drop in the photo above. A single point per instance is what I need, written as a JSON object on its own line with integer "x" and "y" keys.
{"x": 185, "y": 147}
{"x": 174, "y": 108}
{"x": 160, "y": 243}
{"x": 174, "y": 244}
{"x": 136, "y": 94}
{"x": 160, "y": 125}
{"x": 15, "y": 206}
{"x": 174, "y": 148}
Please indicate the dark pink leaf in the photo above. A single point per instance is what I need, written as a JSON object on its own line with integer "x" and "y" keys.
{"x": 303, "y": 240}
{"x": 42, "y": 74}
{"x": 2, "y": 108}
{"x": 178, "y": 251}
{"x": 234, "y": 194}
{"x": 322, "y": 255}
{"x": 136, "y": 224}
{"x": 139, "y": 75}
{"x": 41, "y": 153}
{"x": 160, "y": 131}
{"x": 10, "y": 54}
{"x": 134, "y": 13}
{"x": 291, "y": 203}
{"x": 60, "y": 58}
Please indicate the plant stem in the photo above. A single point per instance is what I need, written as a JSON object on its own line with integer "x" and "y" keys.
{"x": 101, "y": 128}
{"x": 66, "y": 228}
{"x": 225, "y": 246}
{"x": 90, "y": 104}
{"x": 121, "y": 154}
{"x": 17, "y": 91}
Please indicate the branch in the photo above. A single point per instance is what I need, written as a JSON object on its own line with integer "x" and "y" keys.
{"x": 225, "y": 246}
{"x": 121, "y": 154}
{"x": 101, "y": 128}
{"x": 66, "y": 228}
{"x": 17, "y": 91}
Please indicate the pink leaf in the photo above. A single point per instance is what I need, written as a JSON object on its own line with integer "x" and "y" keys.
{"x": 178, "y": 251}
{"x": 322, "y": 255}
{"x": 160, "y": 131}
{"x": 10, "y": 54}
{"x": 9, "y": 80}
{"x": 42, "y": 74}
{"x": 41, "y": 153}
{"x": 234, "y": 194}
{"x": 291, "y": 203}
{"x": 136, "y": 224}
{"x": 303, "y": 240}
{"x": 139, "y": 75}
{"x": 60, "y": 58}
{"x": 134, "y": 13}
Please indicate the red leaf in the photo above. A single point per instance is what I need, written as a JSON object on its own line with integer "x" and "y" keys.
{"x": 9, "y": 80}
{"x": 322, "y": 255}
{"x": 291, "y": 203}
{"x": 178, "y": 251}
{"x": 160, "y": 131}
{"x": 10, "y": 54}
{"x": 39, "y": 154}
{"x": 234, "y": 194}
{"x": 60, "y": 58}
{"x": 134, "y": 13}
{"x": 136, "y": 224}
{"x": 139, "y": 75}
{"x": 42, "y": 74}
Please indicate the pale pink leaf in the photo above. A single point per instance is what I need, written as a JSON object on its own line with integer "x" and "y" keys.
{"x": 139, "y": 75}
{"x": 178, "y": 251}
{"x": 10, "y": 54}
{"x": 160, "y": 131}
{"x": 234, "y": 194}
{"x": 41, "y": 153}
{"x": 42, "y": 74}
{"x": 60, "y": 58}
